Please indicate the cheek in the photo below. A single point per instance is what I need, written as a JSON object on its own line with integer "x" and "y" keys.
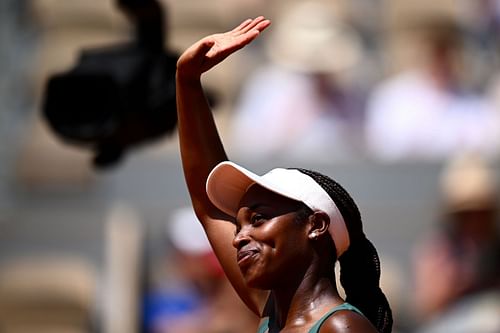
{"x": 281, "y": 233}
{"x": 283, "y": 260}
{"x": 267, "y": 269}
{"x": 289, "y": 241}
{"x": 291, "y": 252}
{"x": 283, "y": 246}
{"x": 285, "y": 251}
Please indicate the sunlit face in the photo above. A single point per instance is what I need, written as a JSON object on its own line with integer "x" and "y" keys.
{"x": 272, "y": 243}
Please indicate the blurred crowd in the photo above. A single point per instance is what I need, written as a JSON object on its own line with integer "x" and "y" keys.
{"x": 336, "y": 80}
{"x": 420, "y": 84}
{"x": 384, "y": 80}
{"x": 456, "y": 276}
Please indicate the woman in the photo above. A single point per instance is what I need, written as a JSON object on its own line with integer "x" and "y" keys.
{"x": 277, "y": 236}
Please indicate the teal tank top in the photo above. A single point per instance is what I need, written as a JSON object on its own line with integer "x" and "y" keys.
{"x": 315, "y": 329}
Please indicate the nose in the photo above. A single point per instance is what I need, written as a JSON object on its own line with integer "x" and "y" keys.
{"x": 241, "y": 239}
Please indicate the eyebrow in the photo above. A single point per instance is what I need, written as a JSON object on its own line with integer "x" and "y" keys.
{"x": 256, "y": 205}
{"x": 252, "y": 207}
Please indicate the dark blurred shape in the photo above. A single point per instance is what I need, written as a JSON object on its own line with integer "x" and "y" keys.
{"x": 120, "y": 96}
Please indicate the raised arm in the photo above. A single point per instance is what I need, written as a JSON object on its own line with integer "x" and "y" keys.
{"x": 201, "y": 147}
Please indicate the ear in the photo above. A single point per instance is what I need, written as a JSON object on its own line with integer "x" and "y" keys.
{"x": 318, "y": 225}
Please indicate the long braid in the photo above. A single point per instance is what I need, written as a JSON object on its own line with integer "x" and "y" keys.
{"x": 360, "y": 264}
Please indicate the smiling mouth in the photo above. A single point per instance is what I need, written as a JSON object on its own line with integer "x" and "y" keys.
{"x": 244, "y": 256}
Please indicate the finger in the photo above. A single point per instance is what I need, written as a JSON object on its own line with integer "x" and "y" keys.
{"x": 249, "y": 36}
{"x": 253, "y": 33}
{"x": 263, "y": 25}
{"x": 242, "y": 25}
{"x": 252, "y": 24}
{"x": 242, "y": 40}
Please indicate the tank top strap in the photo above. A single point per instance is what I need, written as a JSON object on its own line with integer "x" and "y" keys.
{"x": 343, "y": 306}
{"x": 264, "y": 326}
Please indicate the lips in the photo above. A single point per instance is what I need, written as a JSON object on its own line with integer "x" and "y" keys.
{"x": 244, "y": 255}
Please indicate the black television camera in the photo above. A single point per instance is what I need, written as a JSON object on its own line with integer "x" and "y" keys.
{"x": 120, "y": 96}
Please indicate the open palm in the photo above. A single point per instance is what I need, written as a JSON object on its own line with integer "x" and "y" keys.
{"x": 211, "y": 50}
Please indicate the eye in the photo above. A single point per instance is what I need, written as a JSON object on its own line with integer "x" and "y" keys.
{"x": 257, "y": 218}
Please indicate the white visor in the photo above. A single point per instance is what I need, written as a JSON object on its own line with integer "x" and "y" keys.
{"x": 228, "y": 182}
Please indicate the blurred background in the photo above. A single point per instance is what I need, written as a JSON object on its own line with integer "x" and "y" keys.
{"x": 398, "y": 100}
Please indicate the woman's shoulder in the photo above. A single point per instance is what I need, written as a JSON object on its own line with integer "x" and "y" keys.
{"x": 347, "y": 321}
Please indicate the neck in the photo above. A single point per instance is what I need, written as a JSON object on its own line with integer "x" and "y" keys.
{"x": 304, "y": 299}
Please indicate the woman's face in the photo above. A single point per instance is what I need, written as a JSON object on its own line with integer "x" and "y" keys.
{"x": 271, "y": 243}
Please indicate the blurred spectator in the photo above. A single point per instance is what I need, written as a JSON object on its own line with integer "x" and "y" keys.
{"x": 457, "y": 268}
{"x": 425, "y": 111}
{"x": 302, "y": 101}
{"x": 483, "y": 18}
{"x": 195, "y": 297}
{"x": 48, "y": 293}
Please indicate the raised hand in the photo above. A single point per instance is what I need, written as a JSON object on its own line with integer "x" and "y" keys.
{"x": 201, "y": 147}
{"x": 211, "y": 50}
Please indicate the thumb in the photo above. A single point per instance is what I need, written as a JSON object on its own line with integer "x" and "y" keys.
{"x": 194, "y": 56}
{"x": 204, "y": 46}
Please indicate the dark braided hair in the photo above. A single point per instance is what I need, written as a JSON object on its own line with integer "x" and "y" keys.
{"x": 359, "y": 264}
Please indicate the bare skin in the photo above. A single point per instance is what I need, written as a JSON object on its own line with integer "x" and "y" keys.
{"x": 201, "y": 148}
{"x": 264, "y": 252}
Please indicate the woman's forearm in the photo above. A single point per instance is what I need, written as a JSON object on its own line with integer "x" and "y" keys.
{"x": 200, "y": 145}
